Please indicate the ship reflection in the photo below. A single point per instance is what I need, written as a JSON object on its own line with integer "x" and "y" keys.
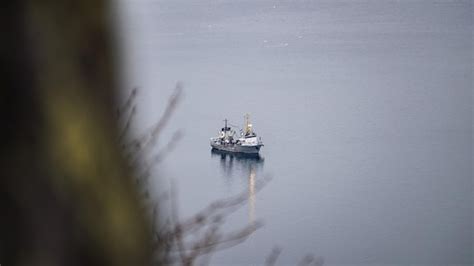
{"x": 251, "y": 190}
{"x": 240, "y": 166}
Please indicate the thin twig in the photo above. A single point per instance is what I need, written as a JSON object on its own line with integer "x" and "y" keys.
{"x": 273, "y": 256}
{"x": 170, "y": 146}
{"x": 178, "y": 233}
{"x": 128, "y": 102}
{"x": 125, "y": 129}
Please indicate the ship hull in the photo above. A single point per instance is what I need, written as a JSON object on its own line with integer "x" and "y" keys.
{"x": 236, "y": 148}
{"x": 241, "y": 156}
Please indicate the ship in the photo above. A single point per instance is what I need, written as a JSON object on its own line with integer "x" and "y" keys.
{"x": 229, "y": 141}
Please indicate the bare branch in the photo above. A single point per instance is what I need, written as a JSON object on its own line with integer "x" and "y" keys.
{"x": 209, "y": 220}
{"x": 307, "y": 260}
{"x": 273, "y": 256}
{"x": 125, "y": 129}
{"x": 234, "y": 238}
{"x": 177, "y": 233}
{"x": 149, "y": 138}
{"x": 170, "y": 146}
{"x": 128, "y": 103}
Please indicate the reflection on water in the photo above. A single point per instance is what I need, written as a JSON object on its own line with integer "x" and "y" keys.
{"x": 240, "y": 166}
{"x": 252, "y": 195}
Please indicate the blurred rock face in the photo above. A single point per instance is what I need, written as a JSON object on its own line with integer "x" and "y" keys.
{"x": 66, "y": 194}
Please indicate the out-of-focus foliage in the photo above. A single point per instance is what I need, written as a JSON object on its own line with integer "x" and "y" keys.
{"x": 66, "y": 194}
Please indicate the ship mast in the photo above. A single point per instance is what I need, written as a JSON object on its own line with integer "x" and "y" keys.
{"x": 247, "y": 122}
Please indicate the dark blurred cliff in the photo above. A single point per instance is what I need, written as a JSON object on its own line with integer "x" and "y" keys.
{"x": 66, "y": 194}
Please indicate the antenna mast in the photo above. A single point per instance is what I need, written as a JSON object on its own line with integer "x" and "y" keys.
{"x": 247, "y": 122}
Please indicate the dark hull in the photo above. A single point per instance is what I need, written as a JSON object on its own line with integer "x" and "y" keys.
{"x": 238, "y": 155}
{"x": 236, "y": 148}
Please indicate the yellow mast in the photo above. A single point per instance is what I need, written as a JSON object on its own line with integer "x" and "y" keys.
{"x": 247, "y": 122}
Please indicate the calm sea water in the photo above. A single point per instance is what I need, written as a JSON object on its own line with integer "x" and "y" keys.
{"x": 365, "y": 109}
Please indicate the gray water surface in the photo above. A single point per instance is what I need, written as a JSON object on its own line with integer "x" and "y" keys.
{"x": 365, "y": 109}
